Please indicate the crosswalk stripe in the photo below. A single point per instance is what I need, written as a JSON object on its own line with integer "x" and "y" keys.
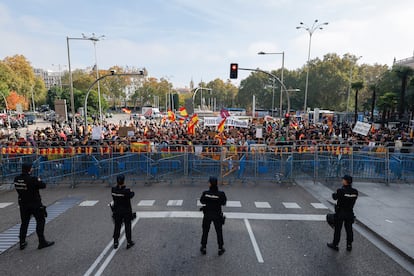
{"x": 199, "y": 203}
{"x": 88, "y": 203}
{"x": 262, "y": 204}
{"x": 175, "y": 202}
{"x": 54, "y": 210}
{"x": 5, "y": 204}
{"x": 291, "y": 205}
{"x": 233, "y": 204}
{"x": 319, "y": 206}
{"x": 146, "y": 203}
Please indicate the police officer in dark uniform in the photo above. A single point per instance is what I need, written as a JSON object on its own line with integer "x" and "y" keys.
{"x": 30, "y": 203}
{"x": 122, "y": 210}
{"x": 346, "y": 197}
{"x": 213, "y": 199}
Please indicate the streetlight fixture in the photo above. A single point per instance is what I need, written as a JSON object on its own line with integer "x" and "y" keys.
{"x": 72, "y": 99}
{"x": 95, "y": 39}
{"x": 315, "y": 26}
{"x": 281, "y": 78}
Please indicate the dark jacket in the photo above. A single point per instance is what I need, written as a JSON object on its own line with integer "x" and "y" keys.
{"x": 27, "y": 187}
{"x": 213, "y": 200}
{"x": 122, "y": 200}
{"x": 346, "y": 197}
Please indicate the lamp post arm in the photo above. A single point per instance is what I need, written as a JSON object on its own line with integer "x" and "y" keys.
{"x": 97, "y": 80}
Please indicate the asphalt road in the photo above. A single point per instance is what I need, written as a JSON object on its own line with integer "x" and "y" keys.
{"x": 259, "y": 241}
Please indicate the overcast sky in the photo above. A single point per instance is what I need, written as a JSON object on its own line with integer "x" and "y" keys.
{"x": 194, "y": 39}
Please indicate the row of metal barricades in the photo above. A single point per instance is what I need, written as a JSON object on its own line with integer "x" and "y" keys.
{"x": 257, "y": 165}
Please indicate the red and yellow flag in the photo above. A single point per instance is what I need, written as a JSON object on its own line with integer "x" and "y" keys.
{"x": 171, "y": 116}
{"x": 220, "y": 127}
{"x": 183, "y": 112}
{"x": 192, "y": 124}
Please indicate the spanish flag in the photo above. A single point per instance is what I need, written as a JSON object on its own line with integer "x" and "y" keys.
{"x": 191, "y": 129}
{"x": 171, "y": 116}
{"x": 220, "y": 127}
{"x": 194, "y": 120}
{"x": 192, "y": 124}
{"x": 183, "y": 112}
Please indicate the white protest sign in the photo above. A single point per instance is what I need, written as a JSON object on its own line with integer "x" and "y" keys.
{"x": 96, "y": 133}
{"x": 362, "y": 128}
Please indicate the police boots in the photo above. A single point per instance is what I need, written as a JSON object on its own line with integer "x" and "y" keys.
{"x": 45, "y": 243}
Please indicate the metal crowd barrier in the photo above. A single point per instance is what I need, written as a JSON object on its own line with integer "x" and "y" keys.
{"x": 229, "y": 165}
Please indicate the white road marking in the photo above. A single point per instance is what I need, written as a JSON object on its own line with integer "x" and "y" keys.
{"x": 101, "y": 256}
{"x": 112, "y": 254}
{"x": 146, "y": 203}
{"x": 260, "y": 204}
{"x": 254, "y": 242}
{"x": 199, "y": 203}
{"x": 233, "y": 215}
{"x": 88, "y": 203}
{"x": 175, "y": 202}
{"x": 319, "y": 206}
{"x": 291, "y": 205}
{"x": 5, "y": 204}
{"x": 233, "y": 204}
{"x": 185, "y": 214}
{"x": 387, "y": 220}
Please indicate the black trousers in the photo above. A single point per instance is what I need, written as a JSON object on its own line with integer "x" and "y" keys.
{"x": 339, "y": 221}
{"x": 206, "y": 228}
{"x": 25, "y": 214}
{"x": 119, "y": 219}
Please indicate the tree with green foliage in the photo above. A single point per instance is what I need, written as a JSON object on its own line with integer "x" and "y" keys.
{"x": 403, "y": 73}
{"x": 356, "y": 86}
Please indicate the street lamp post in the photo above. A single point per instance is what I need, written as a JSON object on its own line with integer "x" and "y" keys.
{"x": 315, "y": 26}
{"x": 113, "y": 73}
{"x": 281, "y": 78}
{"x": 95, "y": 39}
{"x": 72, "y": 99}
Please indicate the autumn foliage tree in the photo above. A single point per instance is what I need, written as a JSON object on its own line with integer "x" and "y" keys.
{"x": 14, "y": 99}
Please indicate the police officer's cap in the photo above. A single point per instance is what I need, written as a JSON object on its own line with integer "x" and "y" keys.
{"x": 347, "y": 178}
{"x": 213, "y": 180}
{"x": 26, "y": 167}
{"x": 120, "y": 179}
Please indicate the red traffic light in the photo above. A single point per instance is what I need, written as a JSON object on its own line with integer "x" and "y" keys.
{"x": 234, "y": 68}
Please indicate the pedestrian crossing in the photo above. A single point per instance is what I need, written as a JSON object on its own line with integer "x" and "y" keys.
{"x": 230, "y": 204}
{"x": 180, "y": 202}
{"x": 10, "y": 237}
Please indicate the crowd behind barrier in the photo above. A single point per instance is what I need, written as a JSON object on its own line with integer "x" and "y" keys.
{"x": 163, "y": 150}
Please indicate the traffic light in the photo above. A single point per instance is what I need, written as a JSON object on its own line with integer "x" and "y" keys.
{"x": 286, "y": 121}
{"x": 234, "y": 68}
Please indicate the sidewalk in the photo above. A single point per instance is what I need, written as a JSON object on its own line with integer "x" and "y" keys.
{"x": 388, "y": 211}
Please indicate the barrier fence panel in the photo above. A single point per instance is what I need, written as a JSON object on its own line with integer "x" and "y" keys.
{"x": 401, "y": 167}
{"x": 258, "y": 162}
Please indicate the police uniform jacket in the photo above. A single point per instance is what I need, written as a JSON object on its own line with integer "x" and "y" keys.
{"x": 27, "y": 187}
{"x": 213, "y": 200}
{"x": 122, "y": 200}
{"x": 346, "y": 197}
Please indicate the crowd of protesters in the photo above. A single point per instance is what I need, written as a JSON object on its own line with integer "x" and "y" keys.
{"x": 161, "y": 135}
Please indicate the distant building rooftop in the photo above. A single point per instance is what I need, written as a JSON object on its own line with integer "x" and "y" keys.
{"x": 406, "y": 62}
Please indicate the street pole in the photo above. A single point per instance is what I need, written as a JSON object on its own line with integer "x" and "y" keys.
{"x": 99, "y": 87}
{"x": 72, "y": 99}
{"x": 281, "y": 78}
{"x": 315, "y": 26}
{"x": 307, "y": 74}
{"x": 281, "y": 88}
{"x": 273, "y": 96}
